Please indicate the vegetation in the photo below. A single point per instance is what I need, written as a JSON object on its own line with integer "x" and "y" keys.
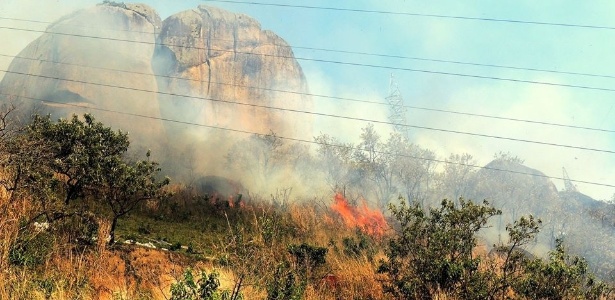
{"x": 67, "y": 186}
{"x": 113, "y": 3}
{"x": 205, "y": 288}
{"x": 433, "y": 252}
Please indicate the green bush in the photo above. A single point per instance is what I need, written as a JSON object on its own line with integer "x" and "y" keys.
{"x": 307, "y": 255}
{"x": 431, "y": 257}
{"x": 562, "y": 276}
{"x": 363, "y": 245}
{"x": 175, "y": 247}
{"x": 205, "y": 288}
{"x": 432, "y": 254}
{"x": 31, "y": 249}
{"x": 286, "y": 284}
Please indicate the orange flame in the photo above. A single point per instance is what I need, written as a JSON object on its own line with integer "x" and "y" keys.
{"x": 370, "y": 221}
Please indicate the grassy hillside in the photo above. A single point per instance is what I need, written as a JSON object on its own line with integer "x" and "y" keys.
{"x": 82, "y": 221}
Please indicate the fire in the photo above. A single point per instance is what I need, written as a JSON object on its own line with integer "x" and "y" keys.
{"x": 369, "y": 220}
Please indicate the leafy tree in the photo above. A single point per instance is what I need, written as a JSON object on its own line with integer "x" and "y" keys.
{"x": 58, "y": 162}
{"x": 414, "y": 168}
{"x": 265, "y": 157}
{"x": 79, "y": 150}
{"x": 456, "y": 174}
{"x": 432, "y": 252}
{"x": 336, "y": 161}
{"x": 374, "y": 164}
{"x": 123, "y": 186}
{"x": 26, "y": 171}
{"x": 376, "y": 169}
{"x": 520, "y": 233}
{"x": 431, "y": 256}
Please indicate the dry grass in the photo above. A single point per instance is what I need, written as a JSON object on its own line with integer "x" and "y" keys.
{"x": 90, "y": 273}
{"x": 129, "y": 272}
{"x": 347, "y": 277}
{"x": 14, "y": 281}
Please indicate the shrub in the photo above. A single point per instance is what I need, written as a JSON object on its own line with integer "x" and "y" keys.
{"x": 561, "y": 277}
{"x": 286, "y": 284}
{"x": 307, "y": 255}
{"x": 433, "y": 252}
{"x": 176, "y": 246}
{"x": 362, "y": 245}
{"x": 205, "y": 288}
{"x": 31, "y": 249}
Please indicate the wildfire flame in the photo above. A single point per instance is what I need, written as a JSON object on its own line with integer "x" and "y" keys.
{"x": 371, "y": 221}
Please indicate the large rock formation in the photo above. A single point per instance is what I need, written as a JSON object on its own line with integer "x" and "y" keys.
{"x": 194, "y": 67}
{"x": 223, "y": 59}
{"x": 518, "y": 191}
{"x": 581, "y": 221}
{"x": 515, "y": 188}
{"x": 70, "y": 66}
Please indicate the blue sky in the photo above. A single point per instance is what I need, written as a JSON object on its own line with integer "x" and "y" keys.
{"x": 558, "y": 48}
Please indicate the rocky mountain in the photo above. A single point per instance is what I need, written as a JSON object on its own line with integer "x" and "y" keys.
{"x": 583, "y": 223}
{"x": 192, "y": 67}
{"x": 69, "y": 66}
{"x": 221, "y": 56}
{"x": 515, "y": 190}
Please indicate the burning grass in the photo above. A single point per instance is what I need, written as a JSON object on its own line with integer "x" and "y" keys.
{"x": 129, "y": 271}
{"x": 331, "y": 248}
{"x": 371, "y": 221}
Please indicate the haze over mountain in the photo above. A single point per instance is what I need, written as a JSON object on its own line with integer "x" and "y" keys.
{"x": 193, "y": 67}
{"x": 72, "y": 67}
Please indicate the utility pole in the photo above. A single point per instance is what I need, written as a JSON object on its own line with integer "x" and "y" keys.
{"x": 397, "y": 111}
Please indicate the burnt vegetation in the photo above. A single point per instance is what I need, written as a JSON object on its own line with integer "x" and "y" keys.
{"x": 71, "y": 196}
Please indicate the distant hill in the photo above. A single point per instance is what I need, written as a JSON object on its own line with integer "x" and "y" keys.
{"x": 583, "y": 222}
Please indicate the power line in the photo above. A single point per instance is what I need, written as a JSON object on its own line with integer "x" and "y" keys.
{"x": 373, "y": 66}
{"x": 56, "y": 23}
{"x": 381, "y": 55}
{"x": 324, "y": 96}
{"x": 303, "y": 140}
{"x": 321, "y": 114}
{"x": 454, "y": 62}
{"x": 411, "y": 14}
{"x": 25, "y": 20}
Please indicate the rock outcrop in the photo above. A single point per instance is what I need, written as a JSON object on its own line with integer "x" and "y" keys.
{"x": 520, "y": 190}
{"x": 194, "y": 67}
{"x": 224, "y": 58}
{"x": 73, "y": 65}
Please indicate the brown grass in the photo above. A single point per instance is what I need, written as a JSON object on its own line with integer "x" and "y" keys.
{"x": 354, "y": 276}
{"x": 131, "y": 272}
{"x": 94, "y": 273}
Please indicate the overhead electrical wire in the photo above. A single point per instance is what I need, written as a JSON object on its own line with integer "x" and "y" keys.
{"x": 56, "y": 23}
{"x": 412, "y": 14}
{"x": 25, "y": 20}
{"x": 322, "y": 96}
{"x": 320, "y": 114}
{"x": 304, "y": 140}
{"x": 381, "y": 55}
{"x": 373, "y": 66}
{"x": 378, "y": 55}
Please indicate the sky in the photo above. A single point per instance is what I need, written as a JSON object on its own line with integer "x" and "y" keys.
{"x": 528, "y": 46}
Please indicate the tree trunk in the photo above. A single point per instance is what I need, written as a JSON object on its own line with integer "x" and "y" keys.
{"x": 112, "y": 231}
